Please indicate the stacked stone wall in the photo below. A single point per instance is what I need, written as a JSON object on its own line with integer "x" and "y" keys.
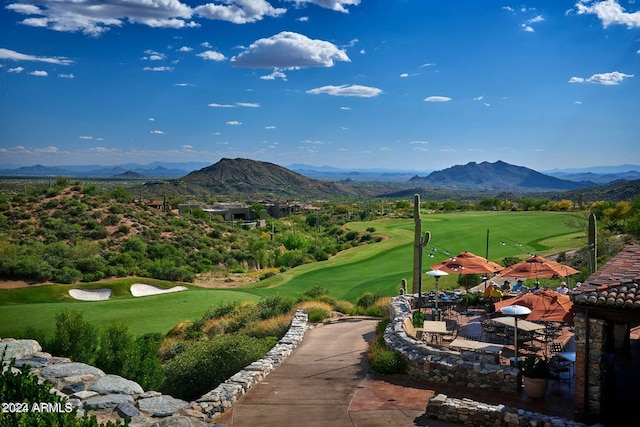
{"x": 111, "y": 397}
{"x": 441, "y": 364}
{"x": 470, "y": 412}
{"x": 588, "y": 388}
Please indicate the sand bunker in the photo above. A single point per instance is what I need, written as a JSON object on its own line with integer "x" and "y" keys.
{"x": 90, "y": 294}
{"x": 142, "y": 290}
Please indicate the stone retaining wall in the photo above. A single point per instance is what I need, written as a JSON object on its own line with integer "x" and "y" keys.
{"x": 441, "y": 364}
{"x": 111, "y": 397}
{"x": 469, "y": 412}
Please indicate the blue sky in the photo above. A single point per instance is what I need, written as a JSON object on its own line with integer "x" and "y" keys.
{"x": 398, "y": 84}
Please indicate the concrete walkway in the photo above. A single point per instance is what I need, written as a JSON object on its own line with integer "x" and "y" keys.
{"x": 324, "y": 382}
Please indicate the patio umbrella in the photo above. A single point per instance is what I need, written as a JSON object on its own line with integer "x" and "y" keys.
{"x": 537, "y": 267}
{"x": 468, "y": 263}
{"x": 546, "y": 305}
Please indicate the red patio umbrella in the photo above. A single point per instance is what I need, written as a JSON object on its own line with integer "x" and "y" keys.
{"x": 545, "y": 304}
{"x": 537, "y": 267}
{"x": 467, "y": 263}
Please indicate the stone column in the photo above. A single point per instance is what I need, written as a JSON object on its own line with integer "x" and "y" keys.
{"x": 590, "y": 365}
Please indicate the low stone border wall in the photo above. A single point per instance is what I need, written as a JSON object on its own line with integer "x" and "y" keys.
{"x": 111, "y": 397}
{"x": 440, "y": 364}
{"x": 469, "y": 412}
{"x": 226, "y": 394}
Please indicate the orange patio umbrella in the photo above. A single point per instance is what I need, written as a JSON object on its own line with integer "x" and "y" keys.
{"x": 537, "y": 267}
{"x": 467, "y": 263}
{"x": 545, "y": 304}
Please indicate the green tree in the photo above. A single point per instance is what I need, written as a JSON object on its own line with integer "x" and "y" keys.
{"x": 74, "y": 338}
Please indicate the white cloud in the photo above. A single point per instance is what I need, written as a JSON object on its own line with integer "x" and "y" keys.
{"x": 17, "y": 56}
{"x": 607, "y": 79}
{"x": 270, "y": 127}
{"x": 66, "y": 76}
{"x": 16, "y": 70}
{"x": 212, "y": 55}
{"x": 345, "y": 108}
{"x": 39, "y": 73}
{"x": 94, "y": 18}
{"x": 214, "y": 105}
{"x": 153, "y": 56}
{"x": 347, "y": 90}
{"x": 535, "y": 19}
{"x": 158, "y": 68}
{"x": 337, "y": 5}
{"x": 185, "y": 49}
{"x": 157, "y": 132}
{"x": 239, "y": 11}
{"x": 419, "y": 142}
{"x": 527, "y": 28}
{"x": 610, "y": 12}
{"x": 87, "y": 137}
{"x": 479, "y": 98}
{"x": 277, "y": 74}
{"x": 437, "y": 99}
{"x": 234, "y": 123}
{"x": 237, "y": 104}
{"x": 289, "y": 50}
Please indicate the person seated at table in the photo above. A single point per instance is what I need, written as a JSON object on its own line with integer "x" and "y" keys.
{"x": 518, "y": 286}
{"x": 487, "y": 291}
{"x": 506, "y": 286}
{"x": 495, "y": 293}
{"x": 563, "y": 289}
{"x": 536, "y": 286}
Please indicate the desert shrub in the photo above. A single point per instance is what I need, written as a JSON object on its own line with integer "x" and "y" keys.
{"x": 146, "y": 366}
{"x": 418, "y": 319}
{"x": 380, "y": 308}
{"x": 367, "y": 299}
{"x": 386, "y": 361}
{"x": 343, "y": 306}
{"x": 74, "y": 338}
{"x": 206, "y": 364}
{"x": 116, "y": 349}
{"x": 381, "y": 358}
{"x": 273, "y": 306}
{"x": 221, "y": 310}
{"x": 316, "y": 310}
{"x": 274, "y": 327}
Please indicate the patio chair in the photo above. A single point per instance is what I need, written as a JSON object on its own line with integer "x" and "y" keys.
{"x": 559, "y": 370}
{"x": 469, "y": 337}
{"x": 488, "y": 329}
{"x": 451, "y": 335}
{"x": 556, "y": 348}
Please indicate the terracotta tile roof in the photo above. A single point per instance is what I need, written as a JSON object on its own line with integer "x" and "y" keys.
{"x": 615, "y": 284}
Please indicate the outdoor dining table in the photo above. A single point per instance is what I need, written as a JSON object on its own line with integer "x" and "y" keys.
{"x": 523, "y": 325}
{"x": 479, "y": 346}
{"x": 434, "y": 329}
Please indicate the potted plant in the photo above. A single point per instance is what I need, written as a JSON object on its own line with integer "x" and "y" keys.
{"x": 535, "y": 376}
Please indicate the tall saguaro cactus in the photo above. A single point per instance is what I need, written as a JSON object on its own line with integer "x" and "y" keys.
{"x": 592, "y": 241}
{"x": 417, "y": 244}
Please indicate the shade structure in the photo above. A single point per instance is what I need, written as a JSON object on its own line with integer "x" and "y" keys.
{"x": 537, "y": 267}
{"x": 545, "y": 304}
{"x": 467, "y": 263}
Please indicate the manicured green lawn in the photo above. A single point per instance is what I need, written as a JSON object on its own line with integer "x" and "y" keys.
{"x": 378, "y": 267}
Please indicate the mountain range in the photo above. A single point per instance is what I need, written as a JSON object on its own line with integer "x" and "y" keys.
{"x": 250, "y": 178}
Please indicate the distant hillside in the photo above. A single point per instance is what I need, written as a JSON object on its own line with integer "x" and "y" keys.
{"x": 496, "y": 176}
{"x": 250, "y": 177}
{"x": 614, "y": 192}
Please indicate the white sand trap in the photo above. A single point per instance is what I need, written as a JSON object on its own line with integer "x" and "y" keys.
{"x": 142, "y": 290}
{"x": 90, "y": 294}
